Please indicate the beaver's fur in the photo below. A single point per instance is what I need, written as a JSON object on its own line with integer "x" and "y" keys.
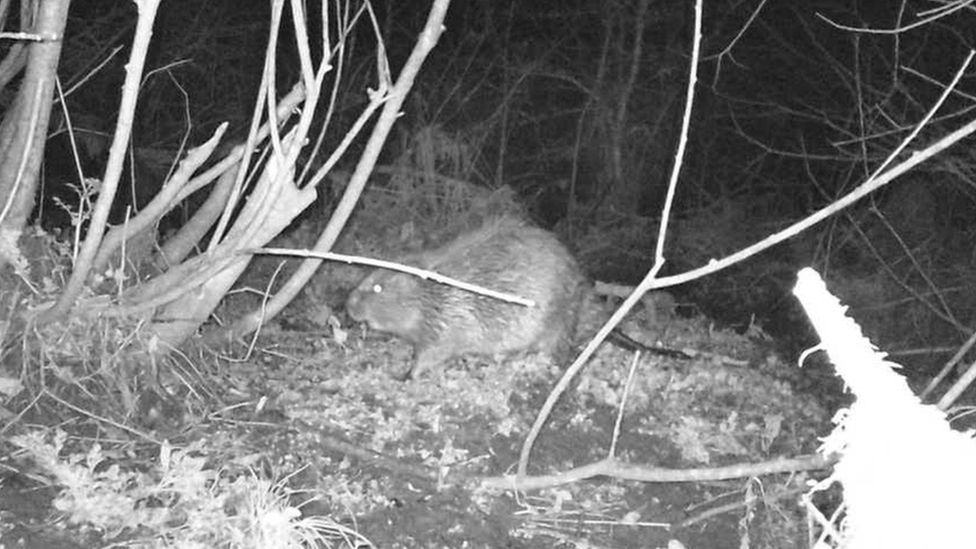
{"x": 443, "y": 322}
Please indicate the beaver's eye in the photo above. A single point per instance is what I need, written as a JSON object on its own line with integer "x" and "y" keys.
{"x": 377, "y": 288}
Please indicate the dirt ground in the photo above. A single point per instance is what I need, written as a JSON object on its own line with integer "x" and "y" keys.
{"x": 405, "y": 462}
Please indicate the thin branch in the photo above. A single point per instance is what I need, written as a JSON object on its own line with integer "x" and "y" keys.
{"x": 113, "y": 171}
{"x": 937, "y": 13}
{"x": 648, "y": 281}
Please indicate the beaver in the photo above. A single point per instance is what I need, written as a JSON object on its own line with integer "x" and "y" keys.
{"x": 504, "y": 254}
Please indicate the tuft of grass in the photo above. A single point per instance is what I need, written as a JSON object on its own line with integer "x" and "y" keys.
{"x": 178, "y": 502}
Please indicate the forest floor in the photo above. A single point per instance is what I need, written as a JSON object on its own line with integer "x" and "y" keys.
{"x": 405, "y": 463}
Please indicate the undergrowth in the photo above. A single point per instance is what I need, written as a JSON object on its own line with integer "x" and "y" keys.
{"x": 177, "y": 500}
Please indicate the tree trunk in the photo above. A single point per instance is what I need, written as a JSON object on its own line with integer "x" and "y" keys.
{"x": 24, "y": 127}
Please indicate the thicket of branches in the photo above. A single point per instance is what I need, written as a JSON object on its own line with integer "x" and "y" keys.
{"x": 576, "y": 109}
{"x": 172, "y": 155}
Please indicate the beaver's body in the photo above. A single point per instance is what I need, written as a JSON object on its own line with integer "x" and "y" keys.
{"x": 443, "y": 322}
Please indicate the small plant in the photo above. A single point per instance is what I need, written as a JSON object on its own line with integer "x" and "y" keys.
{"x": 178, "y": 502}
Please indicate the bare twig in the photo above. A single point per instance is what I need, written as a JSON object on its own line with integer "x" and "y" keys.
{"x": 100, "y": 419}
{"x": 960, "y": 353}
{"x": 393, "y": 266}
{"x": 937, "y": 13}
{"x": 623, "y": 405}
{"x": 958, "y": 387}
{"x": 727, "y": 50}
{"x": 614, "y": 468}
{"x": 715, "y": 511}
{"x": 92, "y": 72}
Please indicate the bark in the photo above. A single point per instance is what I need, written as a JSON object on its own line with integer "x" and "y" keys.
{"x": 24, "y": 127}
